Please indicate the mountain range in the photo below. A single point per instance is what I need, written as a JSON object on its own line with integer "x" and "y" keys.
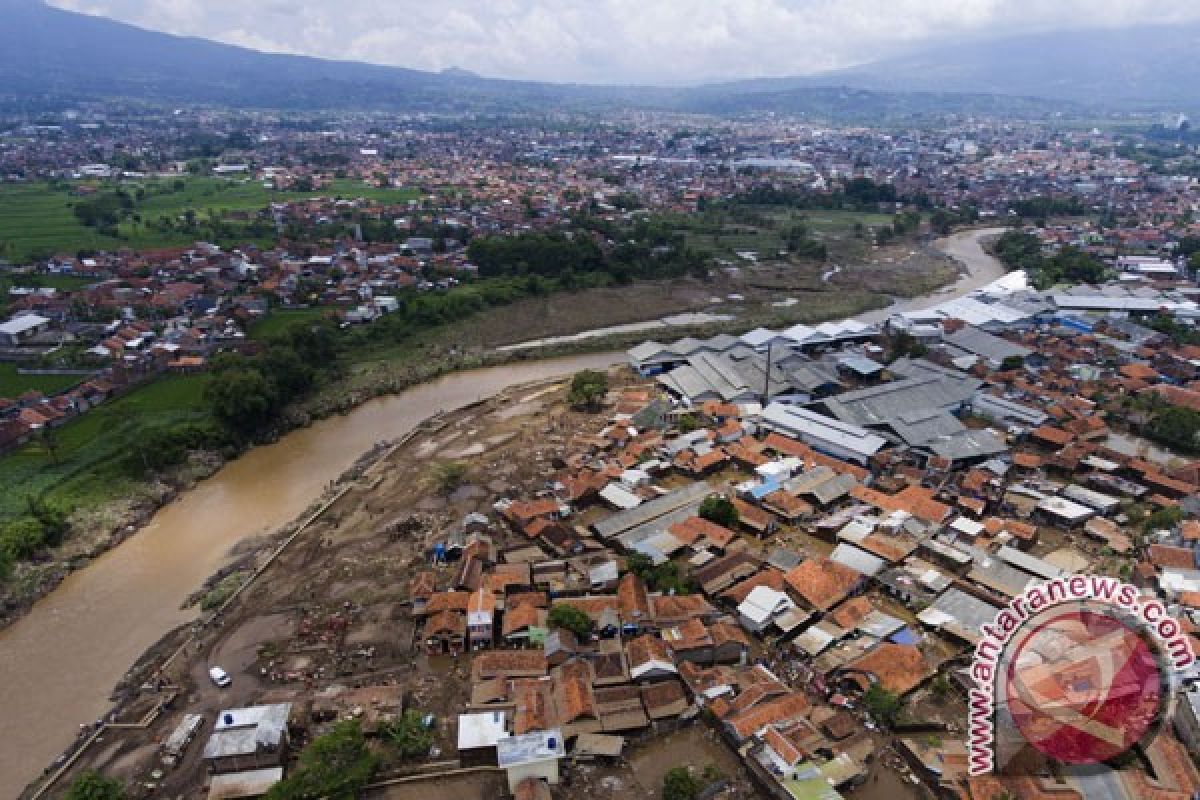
{"x": 51, "y": 58}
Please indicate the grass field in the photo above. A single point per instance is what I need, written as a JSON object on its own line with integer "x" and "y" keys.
{"x": 279, "y": 319}
{"x": 36, "y": 219}
{"x": 13, "y": 384}
{"x": 724, "y": 237}
{"x": 86, "y": 467}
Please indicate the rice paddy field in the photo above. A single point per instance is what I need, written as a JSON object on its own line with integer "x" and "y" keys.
{"x": 37, "y": 220}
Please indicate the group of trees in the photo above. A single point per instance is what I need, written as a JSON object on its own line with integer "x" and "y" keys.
{"x": 1177, "y": 427}
{"x": 679, "y": 783}
{"x": 646, "y": 248}
{"x": 667, "y": 577}
{"x": 719, "y": 509}
{"x": 588, "y": 388}
{"x": 1021, "y": 250}
{"x": 857, "y": 194}
{"x": 246, "y": 393}
{"x": 336, "y": 766}
{"x": 570, "y": 618}
{"x": 799, "y": 241}
{"x": 42, "y": 525}
{"x": 104, "y": 210}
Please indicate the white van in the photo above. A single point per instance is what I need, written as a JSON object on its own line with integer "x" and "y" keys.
{"x": 220, "y": 677}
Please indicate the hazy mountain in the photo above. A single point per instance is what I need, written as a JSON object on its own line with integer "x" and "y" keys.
{"x": 1152, "y": 66}
{"x": 50, "y": 58}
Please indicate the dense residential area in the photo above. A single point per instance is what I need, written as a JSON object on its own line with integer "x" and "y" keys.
{"x": 553, "y": 449}
{"x": 766, "y": 556}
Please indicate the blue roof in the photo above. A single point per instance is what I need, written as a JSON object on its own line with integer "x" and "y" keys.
{"x": 904, "y": 636}
{"x": 764, "y": 489}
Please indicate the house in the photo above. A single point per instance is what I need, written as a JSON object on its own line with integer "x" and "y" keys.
{"x": 250, "y": 738}
{"x": 822, "y": 583}
{"x": 664, "y": 699}
{"x": 22, "y": 328}
{"x": 762, "y": 606}
{"x": 477, "y": 737}
{"x": 690, "y": 641}
{"x": 531, "y": 755}
{"x": 649, "y": 659}
{"x": 899, "y": 668}
{"x": 829, "y": 435}
{"x": 1187, "y": 719}
{"x": 481, "y": 611}
{"x": 445, "y": 632}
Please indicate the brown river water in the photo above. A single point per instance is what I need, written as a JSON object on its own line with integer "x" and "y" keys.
{"x": 59, "y": 663}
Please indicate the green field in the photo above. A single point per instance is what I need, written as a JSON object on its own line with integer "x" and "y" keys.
{"x": 36, "y": 219}
{"x": 279, "y": 320}
{"x": 724, "y": 236}
{"x": 87, "y": 465}
{"x": 12, "y": 384}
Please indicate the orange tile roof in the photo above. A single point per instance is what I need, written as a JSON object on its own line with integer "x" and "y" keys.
{"x": 741, "y": 590}
{"x": 751, "y": 516}
{"x": 680, "y": 606}
{"x": 446, "y": 622}
{"x": 521, "y": 617}
{"x": 899, "y": 668}
{"x": 915, "y": 500}
{"x": 633, "y": 601}
{"x": 1052, "y": 435}
{"x": 647, "y": 648}
{"x": 1138, "y": 371}
{"x": 783, "y": 709}
{"x": 823, "y": 583}
{"x": 1162, "y": 555}
{"x": 447, "y": 601}
{"x": 852, "y": 612}
{"x": 790, "y": 447}
{"x": 573, "y": 691}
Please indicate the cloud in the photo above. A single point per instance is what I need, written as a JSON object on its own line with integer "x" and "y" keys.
{"x": 620, "y": 41}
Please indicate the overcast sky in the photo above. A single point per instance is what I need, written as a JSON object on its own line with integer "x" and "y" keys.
{"x": 619, "y": 41}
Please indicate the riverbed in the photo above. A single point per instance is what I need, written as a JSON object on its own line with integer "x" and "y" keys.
{"x": 59, "y": 663}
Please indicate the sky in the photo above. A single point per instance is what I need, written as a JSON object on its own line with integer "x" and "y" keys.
{"x": 668, "y": 42}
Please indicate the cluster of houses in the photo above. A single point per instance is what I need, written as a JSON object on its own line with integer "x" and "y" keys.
{"x": 885, "y": 511}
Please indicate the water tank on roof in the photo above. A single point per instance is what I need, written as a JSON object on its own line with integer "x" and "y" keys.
{"x": 229, "y": 719}
{"x": 552, "y": 743}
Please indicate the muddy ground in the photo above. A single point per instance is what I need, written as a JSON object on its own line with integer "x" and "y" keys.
{"x": 332, "y": 609}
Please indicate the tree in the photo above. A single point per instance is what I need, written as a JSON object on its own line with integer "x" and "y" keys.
{"x": 1177, "y": 427}
{"x": 91, "y": 785}
{"x": 242, "y": 399}
{"x": 570, "y": 618}
{"x": 409, "y": 735}
{"x": 883, "y": 705}
{"x": 21, "y": 538}
{"x": 1164, "y": 519}
{"x": 449, "y": 475}
{"x": 941, "y": 686}
{"x": 719, "y": 509}
{"x": 1012, "y": 363}
{"x": 680, "y": 784}
{"x": 587, "y": 388}
{"x": 336, "y": 766}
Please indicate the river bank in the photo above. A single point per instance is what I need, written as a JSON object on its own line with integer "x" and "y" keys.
{"x": 76, "y": 643}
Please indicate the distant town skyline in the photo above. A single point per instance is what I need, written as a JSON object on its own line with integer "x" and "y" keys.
{"x": 670, "y": 42}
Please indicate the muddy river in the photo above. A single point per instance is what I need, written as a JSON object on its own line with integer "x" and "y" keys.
{"x": 59, "y": 663}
